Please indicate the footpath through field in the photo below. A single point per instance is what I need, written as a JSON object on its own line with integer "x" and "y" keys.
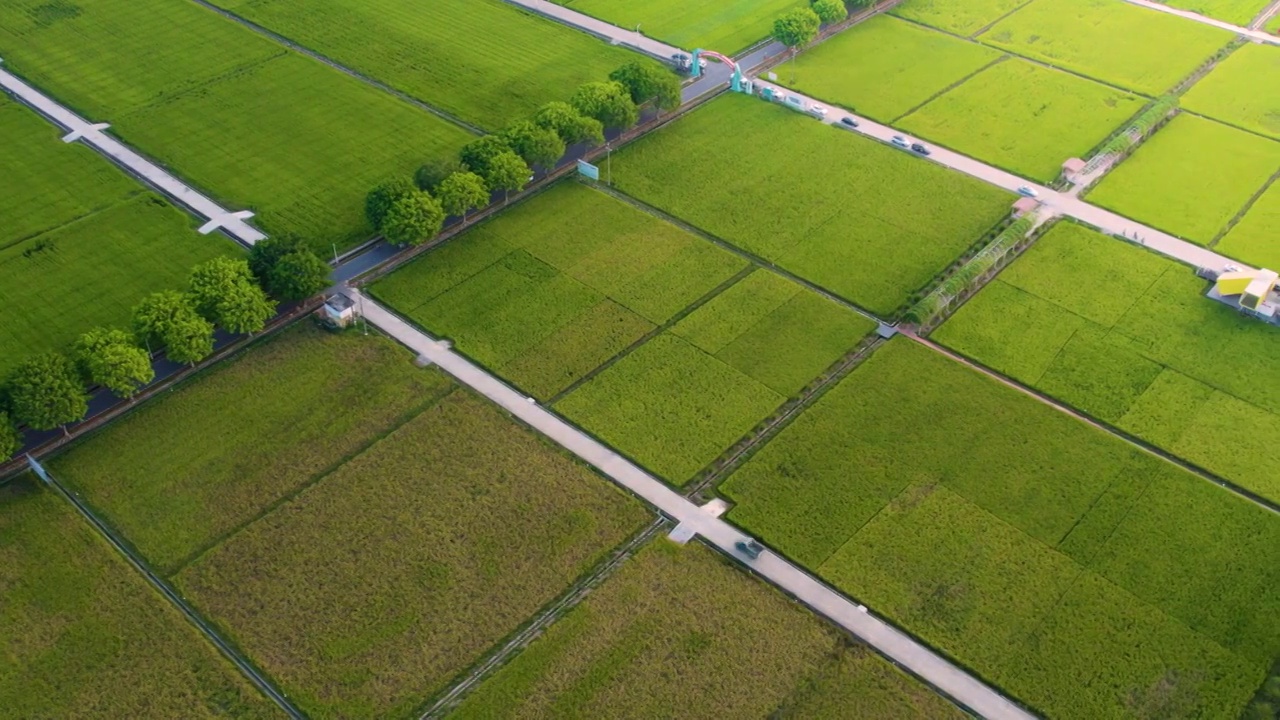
{"x": 80, "y": 129}
{"x": 896, "y": 645}
{"x": 1265, "y": 16}
{"x": 612, "y": 33}
{"x": 1252, "y": 34}
{"x": 1059, "y": 202}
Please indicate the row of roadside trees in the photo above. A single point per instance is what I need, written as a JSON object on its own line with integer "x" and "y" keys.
{"x": 411, "y": 211}
{"x": 238, "y": 295}
{"x": 797, "y": 28}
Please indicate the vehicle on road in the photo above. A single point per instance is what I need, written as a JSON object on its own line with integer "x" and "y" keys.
{"x": 849, "y": 121}
{"x": 683, "y": 62}
{"x": 919, "y": 149}
{"x": 817, "y": 111}
{"x": 900, "y": 141}
{"x": 1025, "y": 191}
{"x": 750, "y": 548}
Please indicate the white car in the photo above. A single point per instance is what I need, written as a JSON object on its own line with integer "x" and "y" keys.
{"x": 818, "y": 111}
{"x": 1030, "y": 192}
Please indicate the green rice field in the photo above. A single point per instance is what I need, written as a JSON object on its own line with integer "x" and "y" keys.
{"x": 1243, "y": 90}
{"x": 1034, "y": 549}
{"x": 365, "y": 593}
{"x": 885, "y": 67}
{"x": 637, "y": 648}
{"x": 1142, "y": 350}
{"x": 255, "y": 125}
{"x": 82, "y": 242}
{"x": 1190, "y": 178}
{"x": 659, "y": 342}
{"x": 961, "y": 17}
{"x": 1237, "y": 12}
{"x": 868, "y": 223}
{"x": 1253, "y": 239}
{"x": 84, "y": 635}
{"x": 1024, "y": 117}
{"x": 726, "y": 26}
{"x": 485, "y": 61}
{"x": 1110, "y": 41}
{"x": 175, "y": 476}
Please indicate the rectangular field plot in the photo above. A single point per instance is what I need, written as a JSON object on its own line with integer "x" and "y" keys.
{"x": 660, "y": 637}
{"x": 485, "y": 61}
{"x": 1111, "y": 41}
{"x": 1190, "y": 178}
{"x": 1031, "y": 547}
{"x": 368, "y": 591}
{"x": 726, "y": 26}
{"x": 869, "y": 223}
{"x": 176, "y": 475}
{"x": 1142, "y": 350}
{"x": 1254, "y": 239}
{"x": 254, "y": 125}
{"x": 962, "y": 17}
{"x": 884, "y": 67}
{"x": 85, "y": 635}
{"x": 1243, "y": 90}
{"x": 1024, "y": 117}
{"x": 1237, "y": 12}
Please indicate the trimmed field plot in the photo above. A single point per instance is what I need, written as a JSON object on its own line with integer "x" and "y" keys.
{"x": 638, "y": 648}
{"x": 238, "y": 115}
{"x": 1255, "y": 239}
{"x": 1142, "y": 350}
{"x": 869, "y": 223}
{"x": 368, "y": 591}
{"x": 1083, "y": 576}
{"x": 726, "y": 26}
{"x": 1098, "y": 38}
{"x": 84, "y": 635}
{"x": 484, "y": 61}
{"x": 1243, "y": 90}
{"x": 885, "y": 67}
{"x": 81, "y": 242}
{"x": 962, "y": 17}
{"x": 177, "y": 475}
{"x": 1238, "y": 12}
{"x": 1190, "y": 178}
{"x": 1024, "y": 117}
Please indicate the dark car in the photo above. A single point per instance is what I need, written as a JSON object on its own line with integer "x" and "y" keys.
{"x": 849, "y": 121}
{"x": 918, "y": 148}
{"x": 750, "y": 548}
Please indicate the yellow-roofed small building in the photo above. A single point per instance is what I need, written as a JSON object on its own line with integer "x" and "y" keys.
{"x": 1234, "y": 283}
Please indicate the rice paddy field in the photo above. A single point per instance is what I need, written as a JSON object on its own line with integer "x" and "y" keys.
{"x": 1253, "y": 239}
{"x": 178, "y": 475}
{"x": 255, "y": 125}
{"x": 1034, "y": 549}
{"x": 726, "y": 26}
{"x": 885, "y": 67}
{"x": 659, "y": 342}
{"x": 1237, "y": 12}
{"x": 1190, "y": 178}
{"x": 1242, "y": 90}
{"x": 1024, "y": 117}
{"x": 638, "y": 648}
{"x": 960, "y": 17}
{"x": 81, "y": 242}
{"x": 364, "y": 594}
{"x": 484, "y": 61}
{"x": 1149, "y": 361}
{"x": 84, "y": 635}
{"x": 868, "y": 223}
{"x": 1111, "y": 41}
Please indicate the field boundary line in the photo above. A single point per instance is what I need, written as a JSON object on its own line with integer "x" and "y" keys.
{"x": 1248, "y": 205}
{"x": 999, "y": 59}
{"x": 334, "y": 64}
{"x": 178, "y": 602}
{"x": 463, "y": 683}
{"x": 997, "y": 21}
{"x": 1264, "y": 16}
{"x": 129, "y": 197}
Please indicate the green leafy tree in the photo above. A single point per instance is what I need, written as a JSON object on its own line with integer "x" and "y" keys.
{"x": 287, "y": 268}
{"x": 609, "y": 102}
{"x": 224, "y": 292}
{"x": 170, "y": 319}
{"x": 46, "y": 392}
{"x": 245, "y": 309}
{"x": 536, "y": 144}
{"x": 111, "y": 358}
{"x": 506, "y": 173}
{"x": 10, "y": 437}
{"x": 381, "y": 198}
{"x": 413, "y": 220}
{"x": 830, "y": 11}
{"x": 571, "y": 125}
{"x": 477, "y": 155}
{"x": 796, "y": 29}
{"x": 189, "y": 339}
{"x": 462, "y": 192}
{"x": 429, "y": 176}
{"x": 647, "y": 81}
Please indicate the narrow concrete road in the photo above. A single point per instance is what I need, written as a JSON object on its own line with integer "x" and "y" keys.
{"x": 1246, "y": 32}
{"x": 906, "y": 651}
{"x": 1265, "y": 16}
{"x": 1062, "y": 203}
{"x": 92, "y": 134}
{"x": 600, "y": 28}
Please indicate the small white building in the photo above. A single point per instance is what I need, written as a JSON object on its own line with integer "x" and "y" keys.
{"x": 339, "y": 311}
